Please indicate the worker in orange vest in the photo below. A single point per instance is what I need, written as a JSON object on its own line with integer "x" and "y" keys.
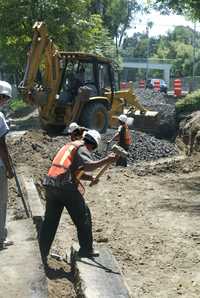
{"x": 123, "y": 137}
{"x": 64, "y": 189}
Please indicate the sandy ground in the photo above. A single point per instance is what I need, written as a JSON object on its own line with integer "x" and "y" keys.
{"x": 149, "y": 218}
{"x": 152, "y": 225}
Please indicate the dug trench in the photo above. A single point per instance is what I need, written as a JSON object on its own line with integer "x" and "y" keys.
{"x": 147, "y": 214}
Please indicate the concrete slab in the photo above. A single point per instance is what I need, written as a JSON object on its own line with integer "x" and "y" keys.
{"x": 33, "y": 198}
{"x": 99, "y": 277}
{"x": 21, "y": 270}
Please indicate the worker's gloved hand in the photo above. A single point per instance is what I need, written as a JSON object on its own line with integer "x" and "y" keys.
{"x": 112, "y": 157}
{"x": 94, "y": 180}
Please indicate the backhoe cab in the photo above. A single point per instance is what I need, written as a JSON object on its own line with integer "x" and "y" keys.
{"x": 73, "y": 87}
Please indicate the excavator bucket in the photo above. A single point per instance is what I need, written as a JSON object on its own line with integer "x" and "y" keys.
{"x": 125, "y": 101}
{"x": 148, "y": 121}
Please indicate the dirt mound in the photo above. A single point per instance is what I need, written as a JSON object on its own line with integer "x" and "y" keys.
{"x": 35, "y": 149}
{"x": 189, "y": 133}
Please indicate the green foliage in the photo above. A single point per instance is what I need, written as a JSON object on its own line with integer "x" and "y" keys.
{"x": 176, "y": 46}
{"x": 189, "y": 104}
{"x": 18, "y": 17}
{"x": 189, "y": 7}
{"x": 73, "y": 25}
{"x": 116, "y": 15}
{"x": 17, "y": 104}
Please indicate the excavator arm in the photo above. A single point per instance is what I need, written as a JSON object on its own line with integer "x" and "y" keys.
{"x": 42, "y": 52}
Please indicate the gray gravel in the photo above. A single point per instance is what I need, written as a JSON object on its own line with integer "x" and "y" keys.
{"x": 165, "y": 105}
{"x": 144, "y": 148}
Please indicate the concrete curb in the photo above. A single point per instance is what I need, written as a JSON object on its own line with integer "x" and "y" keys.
{"x": 32, "y": 197}
{"x": 99, "y": 277}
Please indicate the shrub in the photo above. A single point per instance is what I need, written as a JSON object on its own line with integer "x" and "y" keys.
{"x": 16, "y": 104}
{"x": 189, "y": 104}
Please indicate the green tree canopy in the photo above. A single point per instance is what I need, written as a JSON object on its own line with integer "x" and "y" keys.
{"x": 72, "y": 25}
{"x": 177, "y": 45}
{"x": 189, "y": 7}
{"x": 84, "y": 25}
{"x": 117, "y": 15}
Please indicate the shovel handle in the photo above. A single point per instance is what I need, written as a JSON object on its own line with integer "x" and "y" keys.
{"x": 101, "y": 172}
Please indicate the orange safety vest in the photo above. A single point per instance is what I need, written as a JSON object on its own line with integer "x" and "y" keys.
{"x": 127, "y": 136}
{"x": 63, "y": 160}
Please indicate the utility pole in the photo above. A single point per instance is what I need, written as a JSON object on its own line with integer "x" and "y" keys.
{"x": 148, "y": 27}
{"x": 193, "y": 55}
{"x": 147, "y": 62}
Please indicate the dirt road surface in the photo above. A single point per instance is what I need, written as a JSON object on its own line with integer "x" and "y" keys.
{"x": 150, "y": 219}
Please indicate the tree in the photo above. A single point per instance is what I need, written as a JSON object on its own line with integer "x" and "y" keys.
{"x": 176, "y": 45}
{"x": 117, "y": 16}
{"x": 189, "y": 7}
{"x": 71, "y": 24}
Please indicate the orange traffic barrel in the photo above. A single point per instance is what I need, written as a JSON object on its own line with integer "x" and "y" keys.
{"x": 142, "y": 84}
{"x": 156, "y": 85}
{"x": 123, "y": 85}
{"x": 177, "y": 87}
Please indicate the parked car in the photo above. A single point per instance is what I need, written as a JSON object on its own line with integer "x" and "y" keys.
{"x": 163, "y": 85}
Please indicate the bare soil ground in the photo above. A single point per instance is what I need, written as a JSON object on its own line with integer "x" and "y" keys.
{"x": 148, "y": 215}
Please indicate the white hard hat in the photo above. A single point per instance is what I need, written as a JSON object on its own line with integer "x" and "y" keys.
{"x": 123, "y": 118}
{"x": 130, "y": 121}
{"x": 94, "y": 135}
{"x": 72, "y": 127}
{"x": 5, "y": 89}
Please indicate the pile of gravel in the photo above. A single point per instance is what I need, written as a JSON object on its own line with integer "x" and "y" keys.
{"x": 157, "y": 101}
{"x": 149, "y": 98}
{"x": 147, "y": 147}
{"x": 144, "y": 148}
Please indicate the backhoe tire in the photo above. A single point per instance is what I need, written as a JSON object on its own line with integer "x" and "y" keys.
{"x": 52, "y": 129}
{"x": 95, "y": 116}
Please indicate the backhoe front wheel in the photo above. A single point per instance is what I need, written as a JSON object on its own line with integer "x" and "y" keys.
{"x": 52, "y": 129}
{"x": 95, "y": 116}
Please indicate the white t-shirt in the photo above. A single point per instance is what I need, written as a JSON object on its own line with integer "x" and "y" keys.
{"x": 4, "y": 129}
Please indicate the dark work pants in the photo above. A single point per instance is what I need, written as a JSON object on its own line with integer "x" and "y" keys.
{"x": 122, "y": 161}
{"x": 70, "y": 198}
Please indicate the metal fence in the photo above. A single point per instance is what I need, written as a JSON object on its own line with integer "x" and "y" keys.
{"x": 147, "y": 60}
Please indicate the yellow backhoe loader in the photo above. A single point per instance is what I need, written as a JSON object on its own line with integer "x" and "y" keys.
{"x": 75, "y": 86}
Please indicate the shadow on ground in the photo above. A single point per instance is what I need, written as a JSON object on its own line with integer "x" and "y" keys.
{"x": 58, "y": 273}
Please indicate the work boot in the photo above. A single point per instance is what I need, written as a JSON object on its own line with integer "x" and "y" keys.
{"x": 2, "y": 246}
{"x": 83, "y": 253}
{"x": 5, "y": 244}
{"x": 8, "y": 242}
